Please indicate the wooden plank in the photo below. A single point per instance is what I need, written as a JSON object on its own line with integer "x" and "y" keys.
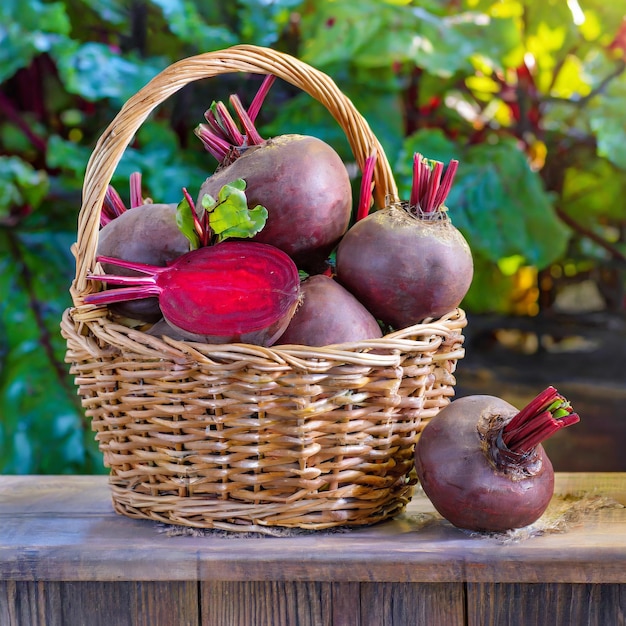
{"x": 98, "y": 604}
{"x": 346, "y": 604}
{"x": 30, "y": 603}
{"x": 511, "y": 604}
{"x": 421, "y": 604}
{"x": 63, "y": 528}
{"x": 266, "y": 603}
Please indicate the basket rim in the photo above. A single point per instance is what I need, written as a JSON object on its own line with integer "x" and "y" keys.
{"x": 245, "y": 58}
{"x": 426, "y": 337}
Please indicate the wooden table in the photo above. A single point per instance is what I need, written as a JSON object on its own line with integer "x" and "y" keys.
{"x": 67, "y": 559}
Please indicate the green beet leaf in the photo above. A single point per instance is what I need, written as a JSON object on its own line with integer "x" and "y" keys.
{"x": 187, "y": 224}
{"x": 229, "y": 215}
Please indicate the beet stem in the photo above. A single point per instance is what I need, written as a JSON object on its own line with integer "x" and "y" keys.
{"x": 215, "y": 145}
{"x": 112, "y": 207}
{"x": 259, "y": 98}
{"x": 252, "y": 133}
{"x": 537, "y": 421}
{"x": 225, "y": 119}
{"x": 144, "y": 268}
{"x": 202, "y": 228}
{"x": 365, "y": 198}
{"x": 214, "y": 124}
{"x": 446, "y": 184}
{"x": 136, "y": 197}
{"x": 416, "y": 182}
{"x": 433, "y": 186}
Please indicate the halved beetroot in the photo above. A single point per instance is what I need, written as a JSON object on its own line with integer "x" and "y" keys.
{"x": 231, "y": 292}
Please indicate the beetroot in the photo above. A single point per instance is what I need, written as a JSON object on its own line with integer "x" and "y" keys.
{"x": 230, "y": 292}
{"x": 301, "y": 181}
{"x": 407, "y": 262}
{"x": 145, "y": 233}
{"x": 329, "y": 314}
{"x": 481, "y": 462}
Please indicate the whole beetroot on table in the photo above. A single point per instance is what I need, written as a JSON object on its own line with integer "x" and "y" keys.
{"x": 481, "y": 463}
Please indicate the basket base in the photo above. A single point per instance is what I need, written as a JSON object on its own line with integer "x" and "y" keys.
{"x": 226, "y": 515}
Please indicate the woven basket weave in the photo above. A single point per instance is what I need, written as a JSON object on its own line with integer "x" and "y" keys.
{"x": 237, "y": 436}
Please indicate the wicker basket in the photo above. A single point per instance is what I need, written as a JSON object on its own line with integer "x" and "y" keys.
{"x": 242, "y": 437}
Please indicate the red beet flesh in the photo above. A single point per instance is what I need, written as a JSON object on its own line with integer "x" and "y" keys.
{"x": 329, "y": 314}
{"x": 230, "y": 292}
{"x": 306, "y": 189}
{"x": 472, "y": 478}
{"x": 405, "y": 268}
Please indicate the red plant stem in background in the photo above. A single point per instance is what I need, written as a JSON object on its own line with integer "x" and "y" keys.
{"x": 136, "y": 197}
{"x": 538, "y": 421}
{"x": 365, "y": 198}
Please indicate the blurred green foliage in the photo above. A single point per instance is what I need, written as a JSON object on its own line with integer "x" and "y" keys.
{"x": 528, "y": 94}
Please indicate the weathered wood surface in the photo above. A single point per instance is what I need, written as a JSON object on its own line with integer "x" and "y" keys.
{"x": 66, "y": 559}
{"x": 64, "y": 529}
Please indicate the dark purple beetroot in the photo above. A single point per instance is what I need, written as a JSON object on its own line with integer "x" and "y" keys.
{"x": 481, "y": 463}
{"x": 329, "y": 314}
{"x": 407, "y": 262}
{"x": 305, "y": 187}
{"x": 405, "y": 268}
{"x": 143, "y": 234}
{"x": 231, "y": 292}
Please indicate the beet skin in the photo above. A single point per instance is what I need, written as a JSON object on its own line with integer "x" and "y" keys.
{"x": 456, "y": 468}
{"x": 305, "y": 187}
{"x": 329, "y": 314}
{"x": 405, "y": 268}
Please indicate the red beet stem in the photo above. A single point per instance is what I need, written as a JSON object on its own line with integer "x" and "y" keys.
{"x": 216, "y": 146}
{"x": 138, "y": 291}
{"x": 365, "y": 198}
{"x": 136, "y": 197}
{"x": 143, "y": 268}
{"x": 538, "y": 420}
{"x": 259, "y": 98}
{"x": 214, "y": 123}
{"x": 252, "y": 134}
{"x": 224, "y": 118}
{"x": 433, "y": 186}
{"x": 428, "y": 189}
{"x": 202, "y": 228}
{"x": 446, "y": 183}
{"x": 112, "y": 207}
{"x": 415, "y": 187}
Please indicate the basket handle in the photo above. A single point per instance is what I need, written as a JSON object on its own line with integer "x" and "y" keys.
{"x": 242, "y": 58}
